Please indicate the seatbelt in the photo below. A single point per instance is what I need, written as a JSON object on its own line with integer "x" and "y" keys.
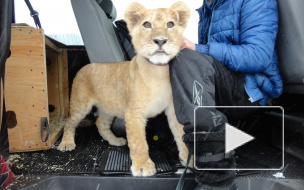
{"x": 34, "y": 14}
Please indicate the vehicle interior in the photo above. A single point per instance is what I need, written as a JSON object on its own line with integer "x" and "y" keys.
{"x": 274, "y": 160}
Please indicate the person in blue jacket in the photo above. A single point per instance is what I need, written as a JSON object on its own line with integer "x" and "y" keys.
{"x": 233, "y": 64}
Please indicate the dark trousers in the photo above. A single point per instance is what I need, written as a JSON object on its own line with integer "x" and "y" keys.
{"x": 200, "y": 80}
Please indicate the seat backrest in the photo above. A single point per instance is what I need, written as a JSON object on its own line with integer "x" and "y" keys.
{"x": 290, "y": 44}
{"x": 95, "y": 21}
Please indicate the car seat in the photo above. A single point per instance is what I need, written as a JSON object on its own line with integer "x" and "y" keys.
{"x": 95, "y": 21}
{"x": 290, "y": 45}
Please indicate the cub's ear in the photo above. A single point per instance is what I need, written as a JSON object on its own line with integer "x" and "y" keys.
{"x": 133, "y": 14}
{"x": 182, "y": 13}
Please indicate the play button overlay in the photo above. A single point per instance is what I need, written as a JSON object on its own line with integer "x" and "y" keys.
{"x": 255, "y": 141}
{"x": 235, "y": 138}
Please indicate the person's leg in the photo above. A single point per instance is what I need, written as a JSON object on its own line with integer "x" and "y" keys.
{"x": 193, "y": 84}
{"x": 199, "y": 80}
{"x": 230, "y": 91}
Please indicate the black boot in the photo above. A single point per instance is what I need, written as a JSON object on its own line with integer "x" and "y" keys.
{"x": 210, "y": 153}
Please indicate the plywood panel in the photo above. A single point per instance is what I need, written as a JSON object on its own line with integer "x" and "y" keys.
{"x": 26, "y": 88}
{"x": 53, "y": 82}
{"x": 64, "y": 83}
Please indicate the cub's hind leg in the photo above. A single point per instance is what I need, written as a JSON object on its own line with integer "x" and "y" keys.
{"x": 78, "y": 110}
{"x": 103, "y": 124}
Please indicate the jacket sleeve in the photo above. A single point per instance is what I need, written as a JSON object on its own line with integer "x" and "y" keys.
{"x": 258, "y": 30}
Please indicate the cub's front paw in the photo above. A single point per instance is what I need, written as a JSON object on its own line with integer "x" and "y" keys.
{"x": 146, "y": 169}
{"x": 66, "y": 145}
{"x": 183, "y": 158}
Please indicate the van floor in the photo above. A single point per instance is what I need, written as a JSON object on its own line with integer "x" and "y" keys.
{"x": 92, "y": 155}
{"x": 95, "y": 157}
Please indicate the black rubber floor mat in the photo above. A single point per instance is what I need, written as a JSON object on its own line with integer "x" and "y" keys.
{"x": 91, "y": 155}
{"x": 257, "y": 154}
{"x": 260, "y": 154}
{"x": 116, "y": 160}
{"x": 89, "y": 149}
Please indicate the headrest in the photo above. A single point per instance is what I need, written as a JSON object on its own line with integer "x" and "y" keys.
{"x": 108, "y": 7}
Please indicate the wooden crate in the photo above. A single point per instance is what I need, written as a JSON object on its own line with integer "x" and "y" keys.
{"x": 32, "y": 87}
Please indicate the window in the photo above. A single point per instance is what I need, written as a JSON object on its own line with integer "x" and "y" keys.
{"x": 56, "y": 18}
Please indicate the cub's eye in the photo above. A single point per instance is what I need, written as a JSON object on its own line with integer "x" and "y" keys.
{"x": 170, "y": 24}
{"x": 147, "y": 25}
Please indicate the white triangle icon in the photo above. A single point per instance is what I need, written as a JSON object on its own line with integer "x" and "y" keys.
{"x": 235, "y": 138}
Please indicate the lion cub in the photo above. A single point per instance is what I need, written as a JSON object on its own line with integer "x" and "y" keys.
{"x": 135, "y": 90}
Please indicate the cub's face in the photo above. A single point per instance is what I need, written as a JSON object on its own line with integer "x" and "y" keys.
{"x": 157, "y": 33}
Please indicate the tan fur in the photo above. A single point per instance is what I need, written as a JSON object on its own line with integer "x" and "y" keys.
{"x": 135, "y": 90}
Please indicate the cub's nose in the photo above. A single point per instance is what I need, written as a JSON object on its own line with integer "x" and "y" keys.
{"x": 160, "y": 42}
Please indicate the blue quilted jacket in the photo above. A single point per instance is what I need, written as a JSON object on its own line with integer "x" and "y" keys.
{"x": 241, "y": 35}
